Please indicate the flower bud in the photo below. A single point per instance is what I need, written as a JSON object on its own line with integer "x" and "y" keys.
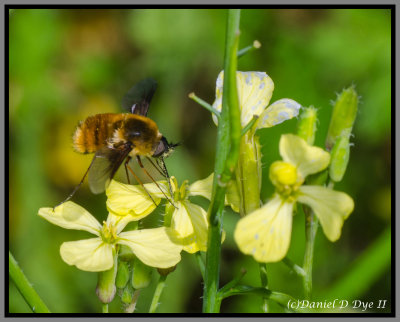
{"x": 130, "y": 306}
{"x": 141, "y": 276}
{"x": 122, "y": 275}
{"x": 282, "y": 173}
{"x": 339, "y": 158}
{"x": 307, "y": 124}
{"x": 343, "y": 115}
{"x": 127, "y": 294}
{"x": 105, "y": 288}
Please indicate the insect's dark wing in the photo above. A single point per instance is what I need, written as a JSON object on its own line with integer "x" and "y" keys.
{"x": 105, "y": 164}
{"x": 137, "y": 100}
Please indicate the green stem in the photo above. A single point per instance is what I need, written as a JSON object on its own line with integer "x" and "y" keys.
{"x": 263, "y": 274}
{"x": 232, "y": 283}
{"x": 157, "y": 293}
{"x": 306, "y": 129}
{"x": 130, "y": 308}
{"x": 264, "y": 284}
{"x": 25, "y": 288}
{"x": 200, "y": 263}
{"x": 296, "y": 268}
{"x": 280, "y": 298}
{"x": 211, "y": 277}
{"x": 311, "y": 231}
{"x": 228, "y": 138}
{"x": 256, "y": 44}
{"x": 230, "y": 103}
{"x": 204, "y": 104}
{"x": 104, "y": 308}
{"x": 249, "y": 125}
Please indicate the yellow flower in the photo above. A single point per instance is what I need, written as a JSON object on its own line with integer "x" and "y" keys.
{"x": 125, "y": 199}
{"x": 265, "y": 233}
{"x": 204, "y": 188}
{"x": 188, "y": 220}
{"x": 154, "y": 247}
{"x": 255, "y": 91}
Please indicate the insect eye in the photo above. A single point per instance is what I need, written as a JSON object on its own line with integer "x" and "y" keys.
{"x": 161, "y": 148}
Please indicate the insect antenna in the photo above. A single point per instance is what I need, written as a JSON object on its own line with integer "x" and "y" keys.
{"x": 148, "y": 174}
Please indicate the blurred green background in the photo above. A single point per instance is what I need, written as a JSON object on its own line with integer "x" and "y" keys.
{"x": 65, "y": 65}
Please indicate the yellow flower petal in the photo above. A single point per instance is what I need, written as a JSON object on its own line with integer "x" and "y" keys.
{"x": 91, "y": 255}
{"x": 265, "y": 233}
{"x": 155, "y": 247}
{"x": 331, "y": 207}
{"x": 119, "y": 221}
{"x": 308, "y": 159}
{"x": 190, "y": 223}
{"x": 199, "y": 219}
{"x": 278, "y": 112}
{"x": 69, "y": 215}
{"x": 254, "y": 92}
{"x": 181, "y": 222}
{"x": 202, "y": 187}
{"x": 124, "y": 199}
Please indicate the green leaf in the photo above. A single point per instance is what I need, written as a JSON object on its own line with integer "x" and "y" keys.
{"x": 27, "y": 291}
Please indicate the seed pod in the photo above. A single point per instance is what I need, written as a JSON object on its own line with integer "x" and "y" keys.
{"x": 339, "y": 158}
{"x": 343, "y": 116}
{"x": 307, "y": 124}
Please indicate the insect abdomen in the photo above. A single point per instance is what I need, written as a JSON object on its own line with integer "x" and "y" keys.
{"x": 93, "y": 133}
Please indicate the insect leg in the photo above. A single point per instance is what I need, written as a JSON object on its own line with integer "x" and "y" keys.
{"x": 156, "y": 167}
{"x": 138, "y": 180}
{"x": 148, "y": 174}
{"x": 161, "y": 163}
{"x": 126, "y": 168}
{"x": 77, "y": 187}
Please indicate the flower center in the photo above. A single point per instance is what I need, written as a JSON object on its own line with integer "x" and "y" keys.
{"x": 180, "y": 193}
{"x": 184, "y": 189}
{"x": 285, "y": 178}
{"x": 109, "y": 233}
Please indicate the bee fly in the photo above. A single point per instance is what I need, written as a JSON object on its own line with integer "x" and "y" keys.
{"x": 115, "y": 138}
